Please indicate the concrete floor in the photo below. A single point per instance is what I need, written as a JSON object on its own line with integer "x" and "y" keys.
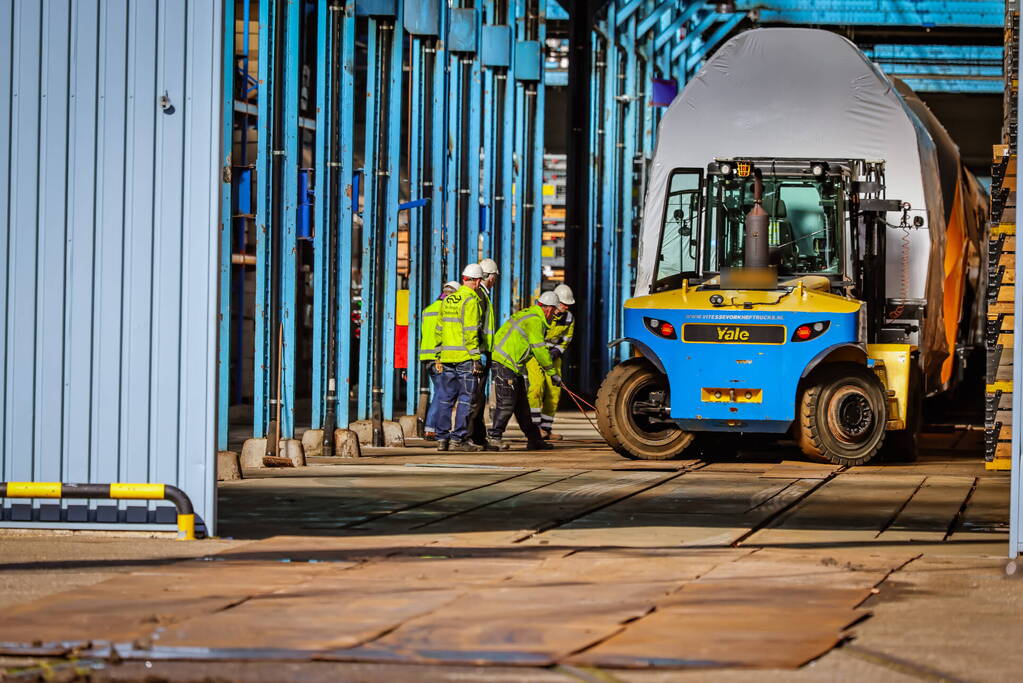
{"x": 931, "y": 536}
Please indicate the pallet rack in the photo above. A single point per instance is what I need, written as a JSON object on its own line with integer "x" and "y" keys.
{"x": 1001, "y": 269}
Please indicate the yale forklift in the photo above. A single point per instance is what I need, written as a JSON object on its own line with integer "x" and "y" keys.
{"x": 768, "y": 315}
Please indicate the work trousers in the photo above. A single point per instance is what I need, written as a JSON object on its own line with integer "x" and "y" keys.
{"x": 432, "y": 411}
{"x": 456, "y": 386}
{"x": 510, "y": 398}
{"x": 543, "y": 395}
{"x": 477, "y": 428}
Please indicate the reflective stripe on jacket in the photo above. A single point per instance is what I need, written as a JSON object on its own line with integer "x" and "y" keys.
{"x": 458, "y": 327}
{"x": 487, "y": 333}
{"x": 561, "y": 331}
{"x": 521, "y": 337}
{"x": 428, "y": 331}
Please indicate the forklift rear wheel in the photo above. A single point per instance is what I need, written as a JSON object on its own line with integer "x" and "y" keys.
{"x": 842, "y": 415}
{"x": 628, "y": 430}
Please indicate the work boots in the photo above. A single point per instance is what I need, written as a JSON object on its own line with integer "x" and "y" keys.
{"x": 466, "y": 447}
{"x": 539, "y": 446}
{"x": 442, "y": 445}
{"x": 496, "y": 445}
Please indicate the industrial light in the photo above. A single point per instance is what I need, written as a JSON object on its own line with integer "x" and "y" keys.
{"x": 749, "y": 395}
{"x": 716, "y": 299}
{"x": 817, "y": 169}
{"x": 809, "y": 331}
{"x": 726, "y": 169}
{"x": 661, "y": 328}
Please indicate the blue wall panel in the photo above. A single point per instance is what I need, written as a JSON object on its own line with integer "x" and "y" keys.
{"x": 109, "y": 205}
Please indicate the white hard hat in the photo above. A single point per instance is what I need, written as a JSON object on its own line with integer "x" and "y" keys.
{"x": 452, "y": 285}
{"x": 473, "y": 272}
{"x": 564, "y": 293}
{"x": 489, "y": 267}
{"x": 548, "y": 299}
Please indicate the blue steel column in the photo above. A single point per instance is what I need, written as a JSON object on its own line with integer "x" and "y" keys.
{"x": 507, "y": 163}
{"x": 626, "y": 186}
{"x": 472, "y": 197}
{"x": 344, "y": 179}
{"x": 610, "y": 169}
{"x": 262, "y": 341}
{"x": 536, "y": 181}
{"x": 369, "y": 220}
{"x": 388, "y": 270}
{"x": 226, "y": 230}
{"x": 289, "y": 218}
{"x": 322, "y": 209}
{"x": 442, "y": 269}
{"x": 419, "y": 282}
{"x": 453, "y": 184}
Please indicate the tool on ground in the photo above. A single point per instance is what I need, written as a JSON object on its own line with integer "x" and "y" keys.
{"x": 273, "y": 457}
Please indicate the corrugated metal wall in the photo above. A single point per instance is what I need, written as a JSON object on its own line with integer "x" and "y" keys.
{"x": 109, "y": 138}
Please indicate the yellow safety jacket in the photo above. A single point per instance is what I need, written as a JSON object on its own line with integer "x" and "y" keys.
{"x": 560, "y": 331}
{"x": 487, "y": 334}
{"x": 428, "y": 331}
{"x": 522, "y": 337}
{"x": 458, "y": 327}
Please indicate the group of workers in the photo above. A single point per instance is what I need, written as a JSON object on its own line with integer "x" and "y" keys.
{"x": 460, "y": 348}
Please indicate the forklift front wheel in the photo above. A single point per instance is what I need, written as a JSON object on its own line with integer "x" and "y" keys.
{"x": 842, "y": 415}
{"x": 623, "y": 413}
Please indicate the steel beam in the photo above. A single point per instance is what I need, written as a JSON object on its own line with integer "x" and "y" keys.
{"x": 263, "y": 313}
{"x": 344, "y": 180}
{"x": 289, "y": 220}
{"x": 226, "y": 230}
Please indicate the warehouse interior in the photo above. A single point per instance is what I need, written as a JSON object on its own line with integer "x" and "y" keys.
{"x": 225, "y": 220}
{"x": 514, "y": 205}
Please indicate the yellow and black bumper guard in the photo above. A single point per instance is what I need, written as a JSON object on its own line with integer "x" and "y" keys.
{"x": 47, "y": 489}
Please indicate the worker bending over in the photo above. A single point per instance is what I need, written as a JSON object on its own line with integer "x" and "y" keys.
{"x": 544, "y": 395}
{"x": 458, "y": 364}
{"x": 428, "y": 320}
{"x": 477, "y": 428}
{"x": 518, "y": 340}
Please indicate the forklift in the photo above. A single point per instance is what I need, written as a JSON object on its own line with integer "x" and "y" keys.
{"x": 768, "y": 316}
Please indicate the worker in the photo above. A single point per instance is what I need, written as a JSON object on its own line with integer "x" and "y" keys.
{"x": 544, "y": 396}
{"x": 518, "y": 340}
{"x": 459, "y": 361}
{"x": 478, "y": 429}
{"x": 428, "y": 353}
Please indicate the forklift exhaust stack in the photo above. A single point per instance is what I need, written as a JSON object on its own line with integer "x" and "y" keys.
{"x": 757, "y": 246}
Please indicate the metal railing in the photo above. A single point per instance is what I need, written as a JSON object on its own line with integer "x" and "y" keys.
{"x": 119, "y": 491}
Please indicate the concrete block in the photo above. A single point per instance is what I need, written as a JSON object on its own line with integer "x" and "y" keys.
{"x": 312, "y": 443}
{"x": 292, "y": 449}
{"x": 346, "y": 444}
{"x": 393, "y": 436}
{"x": 363, "y": 430}
{"x": 253, "y": 451}
{"x": 409, "y": 426}
{"x": 228, "y": 466}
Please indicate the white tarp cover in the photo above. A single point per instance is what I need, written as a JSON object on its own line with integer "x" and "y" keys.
{"x": 807, "y": 93}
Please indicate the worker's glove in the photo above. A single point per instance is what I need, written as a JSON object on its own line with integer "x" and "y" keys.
{"x": 477, "y": 368}
{"x": 555, "y": 353}
{"x": 438, "y": 367}
{"x": 556, "y": 380}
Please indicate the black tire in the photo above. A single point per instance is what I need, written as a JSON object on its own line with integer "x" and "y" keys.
{"x": 842, "y": 415}
{"x": 904, "y": 445}
{"x": 630, "y": 434}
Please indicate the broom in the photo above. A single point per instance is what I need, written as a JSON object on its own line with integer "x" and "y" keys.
{"x": 269, "y": 459}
